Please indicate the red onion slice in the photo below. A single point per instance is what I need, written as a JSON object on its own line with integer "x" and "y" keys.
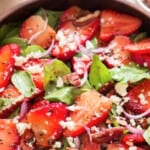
{"x": 135, "y": 130}
{"x": 24, "y": 109}
{"x": 130, "y": 116}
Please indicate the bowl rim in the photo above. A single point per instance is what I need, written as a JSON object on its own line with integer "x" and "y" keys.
{"x": 131, "y": 3}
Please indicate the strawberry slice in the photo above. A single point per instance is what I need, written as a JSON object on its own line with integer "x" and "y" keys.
{"x": 119, "y": 146}
{"x": 7, "y": 61}
{"x": 71, "y": 36}
{"x": 44, "y": 118}
{"x": 115, "y": 23}
{"x": 88, "y": 113}
{"x": 133, "y": 138}
{"x": 139, "y": 98}
{"x": 141, "y": 47}
{"x": 9, "y": 137}
{"x": 35, "y": 68}
{"x": 87, "y": 144}
{"x": 141, "y": 59}
{"x": 81, "y": 64}
{"x": 37, "y": 31}
{"x": 71, "y": 14}
{"x": 115, "y": 55}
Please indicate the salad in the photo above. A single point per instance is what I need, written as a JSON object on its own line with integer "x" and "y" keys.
{"x": 75, "y": 80}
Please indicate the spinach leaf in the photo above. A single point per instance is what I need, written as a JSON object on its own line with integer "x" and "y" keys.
{"x": 146, "y": 135}
{"x": 99, "y": 73}
{"x": 55, "y": 69}
{"x": 53, "y": 16}
{"x": 65, "y": 94}
{"x": 130, "y": 73}
{"x": 23, "y": 82}
{"x": 20, "y": 41}
{"x": 32, "y": 49}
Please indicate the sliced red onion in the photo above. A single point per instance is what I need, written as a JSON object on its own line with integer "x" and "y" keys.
{"x": 88, "y": 132}
{"x": 130, "y": 116}
{"x": 24, "y": 109}
{"x": 84, "y": 79}
{"x": 77, "y": 142}
{"x": 18, "y": 147}
{"x": 39, "y": 32}
{"x": 135, "y": 130}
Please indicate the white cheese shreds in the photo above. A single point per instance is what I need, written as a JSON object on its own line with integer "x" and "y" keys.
{"x": 59, "y": 82}
{"x": 67, "y": 124}
{"x": 119, "y": 109}
{"x": 143, "y": 101}
{"x": 19, "y": 60}
{"x": 115, "y": 99}
{"x": 121, "y": 88}
{"x": 21, "y": 127}
{"x": 132, "y": 148}
{"x": 70, "y": 141}
{"x": 57, "y": 144}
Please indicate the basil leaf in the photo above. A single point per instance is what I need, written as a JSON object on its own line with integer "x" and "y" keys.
{"x": 99, "y": 74}
{"x": 53, "y": 16}
{"x": 146, "y": 135}
{"x": 23, "y": 82}
{"x": 21, "y": 42}
{"x": 55, "y": 69}
{"x": 130, "y": 73}
{"x": 32, "y": 49}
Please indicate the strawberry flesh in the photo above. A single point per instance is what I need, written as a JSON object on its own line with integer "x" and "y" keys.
{"x": 115, "y": 23}
{"x": 44, "y": 120}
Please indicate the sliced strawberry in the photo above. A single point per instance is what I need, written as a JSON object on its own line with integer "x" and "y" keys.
{"x": 139, "y": 97}
{"x": 27, "y": 140}
{"x": 141, "y": 47}
{"x": 71, "y": 36}
{"x": 115, "y": 55}
{"x": 115, "y": 23}
{"x": 37, "y": 31}
{"x": 7, "y": 61}
{"x": 71, "y": 14}
{"x": 141, "y": 59}
{"x": 9, "y": 137}
{"x": 35, "y": 68}
{"x": 107, "y": 135}
{"x": 81, "y": 64}
{"x": 44, "y": 120}
{"x": 133, "y": 139}
{"x": 88, "y": 113}
{"x": 119, "y": 146}
{"x": 87, "y": 144}
{"x": 13, "y": 100}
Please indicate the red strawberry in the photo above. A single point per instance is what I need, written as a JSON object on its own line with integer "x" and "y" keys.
{"x": 140, "y": 52}
{"x": 36, "y": 28}
{"x": 141, "y": 47}
{"x": 119, "y": 146}
{"x": 71, "y": 36}
{"x": 44, "y": 120}
{"x": 115, "y": 55}
{"x": 71, "y": 14}
{"x": 7, "y": 61}
{"x": 139, "y": 97}
{"x": 87, "y": 144}
{"x": 35, "y": 68}
{"x": 9, "y": 137}
{"x": 115, "y": 23}
{"x": 141, "y": 59}
{"x": 81, "y": 64}
{"x": 88, "y": 113}
{"x": 133, "y": 138}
